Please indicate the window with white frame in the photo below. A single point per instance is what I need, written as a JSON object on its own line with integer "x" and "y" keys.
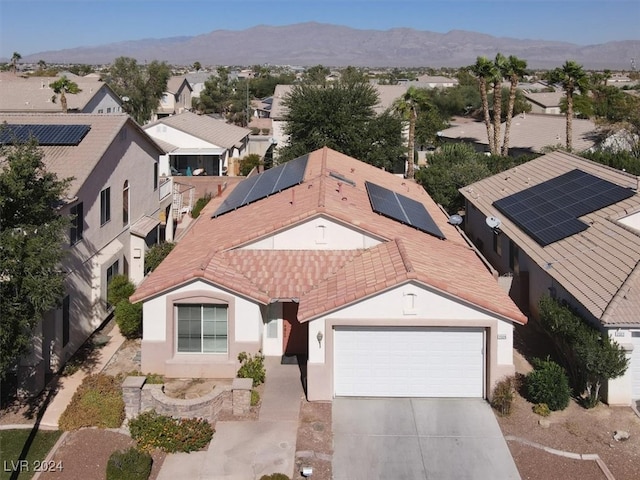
{"x": 202, "y": 328}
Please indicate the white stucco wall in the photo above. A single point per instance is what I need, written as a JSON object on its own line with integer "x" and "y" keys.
{"x": 411, "y": 303}
{"x": 177, "y": 138}
{"x": 319, "y": 233}
{"x": 248, "y": 316}
{"x": 104, "y": 100}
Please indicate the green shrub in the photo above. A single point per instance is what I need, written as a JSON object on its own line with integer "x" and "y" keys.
{"x": 275, "y": 476}
{"x": 156, "y": 254}
{"x": 503, "y": 395}
{"x": 252, "y": 366}
{"x": 131, "y": 464}
{"x": 248, "y": 163}
{"x": 541, "y": 409}
{"x": 548, "y": 383}
{"x": 120, "y": 288}
{"x": 129, "y": 318}
{"x": 97, "y": 403}
{"x": 255, "y": 398}
{"x": 151, "y": 430}
{"x": 200, "y": 204}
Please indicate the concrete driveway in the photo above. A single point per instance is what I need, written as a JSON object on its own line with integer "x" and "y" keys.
{"x": 418, "y": 438}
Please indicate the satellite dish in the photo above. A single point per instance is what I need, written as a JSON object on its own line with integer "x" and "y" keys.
{"x": 493, "y": 222}
{"x": 455, "y": 219}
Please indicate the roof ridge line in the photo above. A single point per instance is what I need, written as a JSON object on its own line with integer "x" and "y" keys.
{"x": 404, "y": 255}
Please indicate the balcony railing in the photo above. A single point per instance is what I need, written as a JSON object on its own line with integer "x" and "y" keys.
{"x": 166, "y": 187}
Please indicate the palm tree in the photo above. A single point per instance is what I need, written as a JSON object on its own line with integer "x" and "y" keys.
{"x": 484, "y": 71}
{"x": 514, "y": 69}
{"x": 15, "y": 58}
{"x": 571, "y": 76}
{"x": 62, "y": 86}
{"x": 408, "y": 106}
{"x": 499, "y": 67}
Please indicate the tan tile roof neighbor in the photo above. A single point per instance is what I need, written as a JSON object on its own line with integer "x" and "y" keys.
{"x": 599, "y": 266}
{"x": 530, "y": 132}
{"x": 217, "y": 132}
{"x": 325, "y": 280}
{"x": 76, "y": 161}
{"x": 19, "y": 94}
{"x": 545, "y": 99}
{"x": 174, "y": 84}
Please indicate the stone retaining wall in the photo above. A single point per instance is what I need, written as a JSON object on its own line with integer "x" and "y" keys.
{"x": 140, "y": 397}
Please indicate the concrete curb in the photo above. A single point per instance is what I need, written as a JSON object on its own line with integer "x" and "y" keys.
{"x": 51, "y": 453}
{"x": 574, "y": 456}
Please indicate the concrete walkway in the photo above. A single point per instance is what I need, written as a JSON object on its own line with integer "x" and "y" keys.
{"x": 245, "y": 450}
{"x": 67, "y": 386}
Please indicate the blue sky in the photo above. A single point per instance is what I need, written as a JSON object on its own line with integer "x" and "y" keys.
{"x": 31, "y": 26}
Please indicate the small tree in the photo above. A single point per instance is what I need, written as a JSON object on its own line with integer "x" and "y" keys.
{"x": 156, "y": 254}
{"x": 248, "y": 163}
{"x": 129, "y": 318}
{"x": 548, "y": 384}
{"x": 120, "y": 288}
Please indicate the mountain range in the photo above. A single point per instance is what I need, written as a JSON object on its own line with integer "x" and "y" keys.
{"x": 331, "y": 45}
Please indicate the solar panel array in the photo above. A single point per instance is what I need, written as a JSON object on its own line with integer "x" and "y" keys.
{"x": 402, "y": 209}
{"x": 267, "y": 183}
{"x": 45, "y": 135}
{"x": 549, "y": 211}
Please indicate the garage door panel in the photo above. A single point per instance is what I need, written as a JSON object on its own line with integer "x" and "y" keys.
{"x": 408, "y": 362}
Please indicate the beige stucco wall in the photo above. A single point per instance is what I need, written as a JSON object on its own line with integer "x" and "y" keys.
{"x": 318, "y": 233}
{"x": 408, "y": 305}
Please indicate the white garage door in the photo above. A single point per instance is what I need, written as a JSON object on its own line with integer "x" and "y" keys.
{"x": 408, "y": 362}
{"x": 635, "y": 365}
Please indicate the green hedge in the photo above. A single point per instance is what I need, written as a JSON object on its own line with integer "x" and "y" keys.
{"x": 151, "y": 430}
{"x": 548, "y": 383}
{"x": 131, "y": 464}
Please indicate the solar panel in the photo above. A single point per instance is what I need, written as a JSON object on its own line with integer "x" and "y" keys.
{"x": 45, "y": 135}
{"x": 402, "y": 209}
{"x": 550, "y": 211}
{"x": 267, "y": 183}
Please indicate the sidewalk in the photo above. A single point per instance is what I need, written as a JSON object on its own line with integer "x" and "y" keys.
{"x": 67, "y": 386}
{"x": 243, "y": 450}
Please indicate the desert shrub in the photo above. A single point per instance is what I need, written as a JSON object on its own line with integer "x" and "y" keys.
{"x": 548, "y": 383}
{"x": 151, "y": 430}
{"x": 156, "y": 254}
{"x": 129, "y": 318}
{"x": 200, "y": 204}
{"x": 255, "y": 398}
{"x": 275, "y": 476}
{"x": 131, "y": 464}
{"x": 120, "y": 288}
{"x": 248, "y": 163}
{"x": 265, "y": 131}
{"x": 541, "y": 409}
{"x": 97, "y": 403}
{"x": 252, "y": 366}
{"x": 255, "y": 130}
{"x": 503, "y": 395}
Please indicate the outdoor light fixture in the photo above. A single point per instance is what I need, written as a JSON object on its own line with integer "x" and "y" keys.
{"x": 319, "y": 336}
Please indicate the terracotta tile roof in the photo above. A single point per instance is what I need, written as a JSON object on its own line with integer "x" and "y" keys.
{"x": 325, "y": 280}
{"x": 77, "y": 161}
{"x": 599, "y": 266}
{"x": 209, "y": 129}
{"x": 530, "y": 132}
{"x": 20, "y": 94}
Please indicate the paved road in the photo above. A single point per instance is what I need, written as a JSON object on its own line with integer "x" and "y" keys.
{"x": 415, "y": 439}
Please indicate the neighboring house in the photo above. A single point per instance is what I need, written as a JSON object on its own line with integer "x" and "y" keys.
{"x": 432, "y": 81}
{"x": 311, "y": 258}
{"x": 529, "y": 134}
{"x": 262, "y": 108}
{"x": 545, "y": 102}
{"x": 198, "y": 144}
{"x": 387, "y": 94}
{"x": 33, "y": 94}
{"x": 177, "y": 98}
{"x": 197, "y": 81}
{"x": 115, "y": 199}
{"x": 568, "y": 227}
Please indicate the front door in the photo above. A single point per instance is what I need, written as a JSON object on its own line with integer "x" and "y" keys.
{"x": 295, "y": 335}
